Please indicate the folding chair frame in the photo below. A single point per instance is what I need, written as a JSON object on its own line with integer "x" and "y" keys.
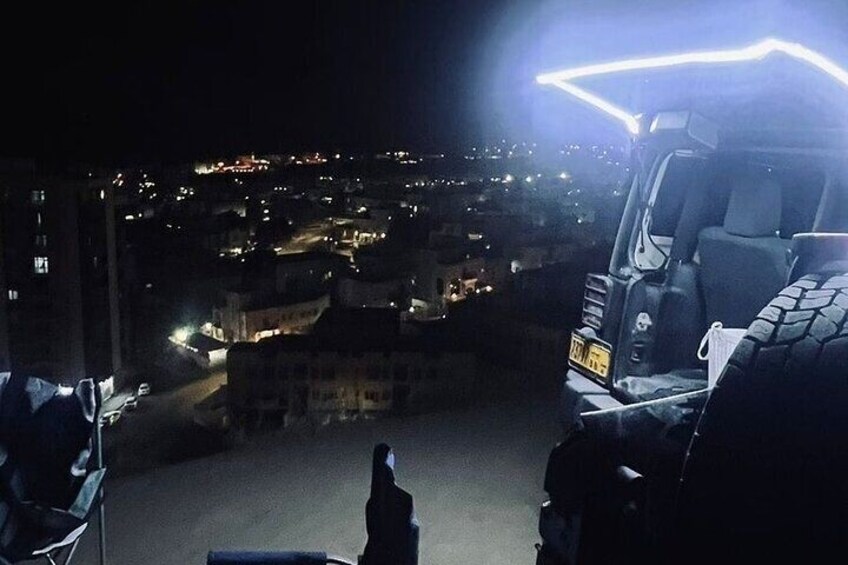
{"x": 53, "y": 556}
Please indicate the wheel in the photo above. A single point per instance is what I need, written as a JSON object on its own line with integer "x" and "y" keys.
{"x": 766, "y": 469}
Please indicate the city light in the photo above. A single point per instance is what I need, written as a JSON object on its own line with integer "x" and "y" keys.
{"x": 562, "y": 79}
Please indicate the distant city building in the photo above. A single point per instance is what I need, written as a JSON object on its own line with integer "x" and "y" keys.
{"x": 242, "y": 164}
{"x": 206, "y": 351}
{"x": 508, "y": 332}
{"x": 248, "y": 316}
{"x": 284, "y": 295}
{"x": 60, "y": 316}
{"x": 373, "y": 292}
{"x": 304, "y": 272}
{"x": 451, "y": 275}
{"x": 357, "y": 361}
{"x": 359, "y": 231}
{"x": 227, "y": 234}
{"x": 536, "y": 256}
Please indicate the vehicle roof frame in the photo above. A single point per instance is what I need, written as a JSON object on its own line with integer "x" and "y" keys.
{"x": 564, "y": 79}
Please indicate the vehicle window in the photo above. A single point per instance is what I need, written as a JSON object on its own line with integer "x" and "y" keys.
{"x": 672, "y": 194}
{"x": 802, "y": 191}
{"x": 656, "y": 233}
{"x": 834, "y": 217}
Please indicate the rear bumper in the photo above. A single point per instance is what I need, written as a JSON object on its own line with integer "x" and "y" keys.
{"x": 580, "y": 394}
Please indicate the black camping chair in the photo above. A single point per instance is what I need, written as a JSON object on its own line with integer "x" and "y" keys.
{"x": 50, "y": 485}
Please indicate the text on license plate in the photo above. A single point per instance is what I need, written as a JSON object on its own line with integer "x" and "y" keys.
{"x": 590, "y": 355}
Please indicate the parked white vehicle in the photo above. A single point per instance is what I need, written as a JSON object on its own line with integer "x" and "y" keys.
{"x": 108, "y": 419}
{"x": 144, "y": 389}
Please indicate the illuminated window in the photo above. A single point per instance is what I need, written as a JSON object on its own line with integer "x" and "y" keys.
{"x": 40, "y": 265}
{"x": 41, "y": 240}
{"x": 13, "y": 294}
{"x": 38, "y": 197}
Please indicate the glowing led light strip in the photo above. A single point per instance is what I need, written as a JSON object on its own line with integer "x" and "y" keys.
{"x": 562, "y": 79}
{"x": 630, "y": 121}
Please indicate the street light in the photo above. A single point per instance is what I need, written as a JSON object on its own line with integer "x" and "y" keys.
{"x": 180, "y": 335}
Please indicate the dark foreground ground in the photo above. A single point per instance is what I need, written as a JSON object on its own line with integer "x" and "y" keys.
{"x": 476, "y": 475}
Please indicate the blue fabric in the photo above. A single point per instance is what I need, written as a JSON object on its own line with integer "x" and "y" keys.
{"x": 265, "y": 558}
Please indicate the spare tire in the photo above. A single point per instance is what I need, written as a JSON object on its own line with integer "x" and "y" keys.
{"x": 767, "y": 468}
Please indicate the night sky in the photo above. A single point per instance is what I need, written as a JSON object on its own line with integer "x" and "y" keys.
{"x": 125, "y": 83}
{"x": 206, "y": 78}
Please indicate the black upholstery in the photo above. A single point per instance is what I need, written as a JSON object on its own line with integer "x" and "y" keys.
{"x": 754, "y": 208}
{"x": 48, "y": 488}
{"x": 744, "y": 263}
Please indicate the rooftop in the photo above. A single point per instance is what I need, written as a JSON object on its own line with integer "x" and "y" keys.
{"x": 353, "y": 330}
{"x": 275, "y": 300}
{"x": 203, "y": 342}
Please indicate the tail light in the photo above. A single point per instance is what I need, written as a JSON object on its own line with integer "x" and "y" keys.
{"x": 595, "y": 300}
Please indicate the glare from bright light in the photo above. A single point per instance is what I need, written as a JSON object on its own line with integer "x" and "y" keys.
{"x": 181, "y": 335}
{"x": 562, "y": 79}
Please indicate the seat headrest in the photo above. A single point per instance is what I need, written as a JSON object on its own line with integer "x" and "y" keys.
{"x": 754, "y": 209}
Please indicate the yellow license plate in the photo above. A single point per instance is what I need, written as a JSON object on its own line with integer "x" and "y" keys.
{"x": 590, "y": 356}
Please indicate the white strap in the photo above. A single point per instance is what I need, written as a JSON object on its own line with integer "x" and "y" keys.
{"x": 703, "y": 352}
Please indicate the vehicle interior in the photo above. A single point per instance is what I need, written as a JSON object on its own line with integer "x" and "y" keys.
{"x": 712, "y": 243}
{"x": 736, "y": 160}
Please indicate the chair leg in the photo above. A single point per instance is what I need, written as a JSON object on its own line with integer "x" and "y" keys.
{"x": 101, "y": 511}
{"x": 71, "y": 551}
